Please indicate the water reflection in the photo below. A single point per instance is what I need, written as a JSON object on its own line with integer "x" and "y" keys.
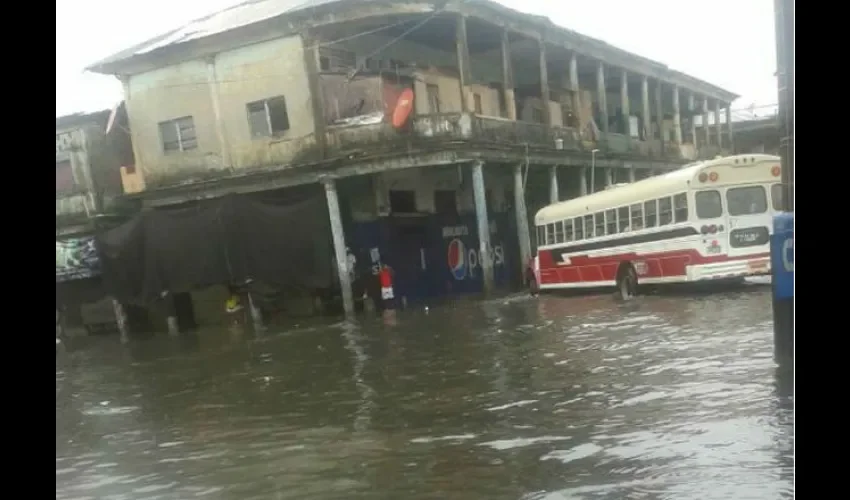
{"x": 518, "y": 397}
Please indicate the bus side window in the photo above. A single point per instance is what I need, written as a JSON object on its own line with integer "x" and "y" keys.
{"x": 559, "y": 232}
{"x": 776, "y": 197}
{"x": 568, "y": 230}
{"x": 623, "y": 219}
{"x": 579, "y": 228}
{"x": 599, "y": 220}
{"x": 611, "y": 221}
{"x": 680, "y": 207}
{"x": 651, "y": 212}
{"x": 588, "y": 226}
{"x": 708, "y": 204}
{"x": 665, "y": 211}
{"x": 637, "y": 217}
{"x": 541, "y": 235}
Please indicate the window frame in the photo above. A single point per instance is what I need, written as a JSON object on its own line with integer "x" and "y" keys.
{"x": 181, "y": 140}
{"x": 697, "y": 205}
{"x": 269, "y": 132}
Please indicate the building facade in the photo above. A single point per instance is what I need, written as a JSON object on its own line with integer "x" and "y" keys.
{"x": 443, "y": 116}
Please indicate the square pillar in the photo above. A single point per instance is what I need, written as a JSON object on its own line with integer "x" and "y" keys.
{"x": 631, "y": 174}
{"x": 647, "y": 115}
{"x": 659, "y": 112}
{"x": 706, "y": 129}
{"x": 462, "y": 51}
{"x": 602, "y": 97}
{"x": 729, "y": 127}
{"x": 718, "y": 127}
{"x": 624, "y": 101}
{"x": 521, "y": 213}
{"x": 544, "y": 84}
{"x": 553, "y": 185}
{"x": 340, "y": 254}
{"x": 480, "y": 195}
{"x": 574, "y": 85}
{"x": 677, "y": 117}
{"x": 508, "y": 77}
{"x": 693, "y": 122}
{"x": 582, "y": 181}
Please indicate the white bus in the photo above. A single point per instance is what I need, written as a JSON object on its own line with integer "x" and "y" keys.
{"x": 709, "y": 220}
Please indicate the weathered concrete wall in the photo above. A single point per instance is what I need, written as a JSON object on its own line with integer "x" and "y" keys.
{"x": 248, "y": 74}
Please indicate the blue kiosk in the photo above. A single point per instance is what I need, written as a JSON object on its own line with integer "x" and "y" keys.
{"x": 782, "y": 265}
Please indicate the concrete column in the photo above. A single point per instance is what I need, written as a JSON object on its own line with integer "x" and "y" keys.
{"x": 480, "y": 195}
{"x": 582, "y": 181}
{"x": 508, "y": 77}
{"x": 624, "y": 100}
{"x": 544, "y": 84}
{"x": 215, "y": 100}
{"x": 705, "y": 128}
{"x": 553, "y": 185}
{"x": 693, "y": 123}
{"x": 317, "y": 103}
{"x": 647, "y": 114}
{"x": 602, "y": 96}
{"x": 718, "y": 126}
{"x": 631, "y": 174}
{"x": 339, "y": 247}
{"x": 574, "y": 85}
{"x": 609, "y": 177}
{"x": 677, "y": 117}
{"x": 256, "y": 313}
{"x": 729, "y": 128}
{"x": 521, "y": 213}
{"x": 121, "y": 320}
{"x": 659, "y": 112}
{"x": 172, "y": 325}
{"x": 462, "y": 50}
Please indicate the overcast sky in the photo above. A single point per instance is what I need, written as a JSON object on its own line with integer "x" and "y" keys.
{"x": 729, "y": 43}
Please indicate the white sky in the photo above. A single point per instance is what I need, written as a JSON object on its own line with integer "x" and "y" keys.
{"x": 729, "y": 43}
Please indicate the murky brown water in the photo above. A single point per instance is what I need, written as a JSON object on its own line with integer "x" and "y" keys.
{"x": 518, "y": 398}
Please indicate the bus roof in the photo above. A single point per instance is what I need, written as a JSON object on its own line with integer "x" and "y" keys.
{"x": 645, "y": 189}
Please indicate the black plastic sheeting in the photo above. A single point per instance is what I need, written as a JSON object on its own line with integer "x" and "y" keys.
{"x": 229, "y": 240}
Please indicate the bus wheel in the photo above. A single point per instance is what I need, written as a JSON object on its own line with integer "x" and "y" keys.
{"x": 627, "y": 282}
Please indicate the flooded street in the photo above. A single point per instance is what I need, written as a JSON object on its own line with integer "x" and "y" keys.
{"x": 516, "y": 398}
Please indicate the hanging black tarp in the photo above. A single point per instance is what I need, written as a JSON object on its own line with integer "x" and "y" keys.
{"x": 227, "y": 240}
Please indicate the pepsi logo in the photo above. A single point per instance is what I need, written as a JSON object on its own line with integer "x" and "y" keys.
{"x": 457, "y": 259}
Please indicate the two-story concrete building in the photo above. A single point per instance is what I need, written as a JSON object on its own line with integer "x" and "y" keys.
{"x": 88, "y": 190}
{"x": 436, "y": 128}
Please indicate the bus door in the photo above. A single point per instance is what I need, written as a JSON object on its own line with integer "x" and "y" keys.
{"x": 747, "y": 208}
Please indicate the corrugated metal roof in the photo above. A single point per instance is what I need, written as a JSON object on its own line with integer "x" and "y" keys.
{"x": 243, "y": 14}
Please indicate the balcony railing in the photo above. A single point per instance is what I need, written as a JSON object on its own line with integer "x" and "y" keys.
{"x": 425, "y": 130}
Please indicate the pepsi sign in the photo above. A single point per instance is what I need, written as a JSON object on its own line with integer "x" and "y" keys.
{"x": 464, "y": 261}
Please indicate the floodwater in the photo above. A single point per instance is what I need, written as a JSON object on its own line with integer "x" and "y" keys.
{"x": 516, "y": 398}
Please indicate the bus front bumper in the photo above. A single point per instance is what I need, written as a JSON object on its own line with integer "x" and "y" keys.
{"x": 730, "y": 269}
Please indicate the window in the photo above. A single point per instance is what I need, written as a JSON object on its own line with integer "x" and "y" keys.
{"x": 541, "y": 235}
{"x": 623, "y": 219}
{"x": 776, "y": 196}
{"x": 750, "y": 200}
{"x": 611, "y": 222}
{"x": 665, "y": 211}
{"x": 637, "y": 217}
{"x": 550, "y": 234}
{"x": 403, "y": 202}
{"x": 599, "y": 224}
{"x": 568, "y": 230}
{"x": 476, "y": 98}
{"x": 64, "y": 177}
{"x": 178, "y": 135}
{"x": 588, "y": 226}
{"x": 559, "y": 232}
{"x": 680, "y": 207}
{"x": 708, "y": 204}
{"x": 433, "y": 92}
{"x": 537, "y": 115}
{"x": 331, "y": 59}
{"x": 650, "y": 211}
{"x": 445, "y": 202}
{"x": 579, "y": 229}
{"x": 268, "y": 118}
